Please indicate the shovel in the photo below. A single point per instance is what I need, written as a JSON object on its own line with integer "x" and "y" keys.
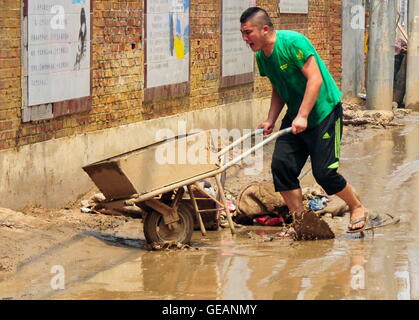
{"x": 309, "y": 226}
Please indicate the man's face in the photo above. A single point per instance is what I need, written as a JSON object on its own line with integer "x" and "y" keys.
{"x": 253, "y": 35}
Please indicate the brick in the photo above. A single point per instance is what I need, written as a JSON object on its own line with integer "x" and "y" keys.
{"x": 118, "y": 67}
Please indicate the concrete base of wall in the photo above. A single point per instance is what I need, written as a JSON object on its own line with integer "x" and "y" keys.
{"x": 50, "y": 173}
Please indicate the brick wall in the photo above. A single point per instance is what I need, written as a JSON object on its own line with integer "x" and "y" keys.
{"x": 335, "y": 37}
{"x": 118, "y": 71}
{"x": 9, "y": 72}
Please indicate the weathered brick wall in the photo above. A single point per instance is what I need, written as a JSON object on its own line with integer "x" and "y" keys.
{"x": 9, "y": 72}
{"x": 335, "y": 39}
{"x": 118, "y": 66}
{"x": 117, "y": 62}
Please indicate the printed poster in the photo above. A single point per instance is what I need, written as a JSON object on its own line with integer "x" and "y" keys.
{"x": 58, "y": 64}
{"x": 237, "y": 58}
{"x": 167, "y": 59}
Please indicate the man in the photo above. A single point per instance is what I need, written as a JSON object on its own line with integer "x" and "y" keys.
{"x": 300, "y": 79}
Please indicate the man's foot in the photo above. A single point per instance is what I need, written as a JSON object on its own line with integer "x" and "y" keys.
{"x": 358, "y": 220}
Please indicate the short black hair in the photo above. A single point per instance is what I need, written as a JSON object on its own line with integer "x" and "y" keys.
{"x": 263, "y": 16}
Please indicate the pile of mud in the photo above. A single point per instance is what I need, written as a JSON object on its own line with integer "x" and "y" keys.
{"x": 309, "y": 226}
{"x": 355, "y": 114}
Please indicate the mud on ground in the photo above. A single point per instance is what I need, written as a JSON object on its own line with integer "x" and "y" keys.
{"x": 26, "y": 233}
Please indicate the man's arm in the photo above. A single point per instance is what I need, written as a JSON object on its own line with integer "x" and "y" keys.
{"x": 314, "y": 82}
{"x": 277, "y": 104}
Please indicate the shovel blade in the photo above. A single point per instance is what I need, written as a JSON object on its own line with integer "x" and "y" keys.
{"x": 309, "y": 226}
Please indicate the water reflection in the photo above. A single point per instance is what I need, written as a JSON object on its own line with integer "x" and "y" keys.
{"x": 384, "y": 170}
{"x": 389, "y": 183}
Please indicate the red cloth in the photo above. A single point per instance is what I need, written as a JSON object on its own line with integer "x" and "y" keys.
{"x": 270, "y": 221}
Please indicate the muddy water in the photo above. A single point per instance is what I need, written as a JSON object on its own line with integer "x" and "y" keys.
{"x": 254, "y": 264}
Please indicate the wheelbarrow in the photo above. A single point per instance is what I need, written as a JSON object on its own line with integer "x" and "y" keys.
{"x": 167, "y": 194}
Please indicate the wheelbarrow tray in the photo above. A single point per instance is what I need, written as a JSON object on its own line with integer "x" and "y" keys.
{"x": 154, "y": 166}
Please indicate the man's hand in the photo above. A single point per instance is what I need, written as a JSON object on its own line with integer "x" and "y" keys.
{"x": 267, "y": 126}
{"x": 299, "y": 124}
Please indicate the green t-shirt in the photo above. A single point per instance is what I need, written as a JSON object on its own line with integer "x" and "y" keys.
{"x": 283, "y": 68}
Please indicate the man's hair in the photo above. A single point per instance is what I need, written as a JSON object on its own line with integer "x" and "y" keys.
{"x": 261, "y": 17}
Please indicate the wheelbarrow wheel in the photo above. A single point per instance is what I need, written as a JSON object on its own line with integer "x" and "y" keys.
{"x": 155, "y": 230}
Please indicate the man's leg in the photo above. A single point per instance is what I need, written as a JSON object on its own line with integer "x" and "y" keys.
{"x": 355, "y": 206}
{"x": 288, "y": 159}
{"x": 294, "y": 200}
{"x": 324, "y": 145}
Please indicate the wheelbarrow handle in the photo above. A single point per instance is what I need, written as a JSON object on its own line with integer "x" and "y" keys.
{"x": 238, "y": 141}
{"x": 256, "y": 147}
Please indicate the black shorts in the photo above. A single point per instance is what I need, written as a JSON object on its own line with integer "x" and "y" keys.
{"x": 321, "y": 143}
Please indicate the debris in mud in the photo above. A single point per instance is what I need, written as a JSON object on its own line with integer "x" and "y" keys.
{"x": 257, "y": 199}
{"x": 207, "y": 186}
{"x": 261, "y": 236}
{"x": 98, "y": 197}
{"x": 373, "y": 117}
{"x": 168, "y": 245}
{"x": 379, "y": 221}
{"x": 318, "y": 203}
{"x": 336, "y": 207}
{"x": 354, "y": 114}
{"x": 309, "y": 226}
{"x": 96, "y": 205}
{"x": 258, "y": 203}
{"x": 223, "y": 216}
{"x": 269, "y": 221}
{"x": 233, "y": 211}
{"x": 401, "y": 112}
{"x": 224, "y": 224}
{"x": 88, "y": 206}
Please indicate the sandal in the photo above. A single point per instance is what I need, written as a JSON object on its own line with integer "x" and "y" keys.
{"x": 358, "y": 220}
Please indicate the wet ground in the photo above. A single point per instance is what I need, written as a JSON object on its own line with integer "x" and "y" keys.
{"x": 383, "y": 166}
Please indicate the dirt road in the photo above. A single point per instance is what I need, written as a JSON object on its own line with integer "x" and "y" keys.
{"x": 66, "y": 254}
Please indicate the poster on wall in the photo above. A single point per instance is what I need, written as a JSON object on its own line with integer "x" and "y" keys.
{"x": 167, "y": 34}
{"x": 237, "y": 58}
{"x": 58, "y": 63}
{"x": 293, "y": 6}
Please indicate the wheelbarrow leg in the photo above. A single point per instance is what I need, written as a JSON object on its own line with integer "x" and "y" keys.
{"x": 198, "y": 214}
{"x": 223, "y": 200}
